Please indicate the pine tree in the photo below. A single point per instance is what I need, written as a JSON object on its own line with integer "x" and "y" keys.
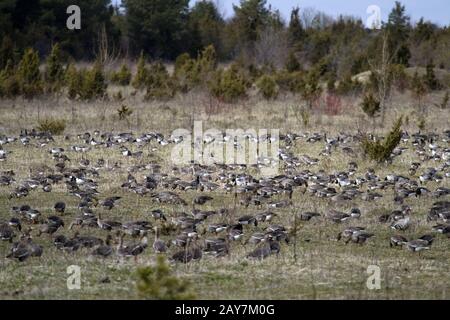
{"x": 55, "y": 72}
{"x": 140, "y": 79}
{"x": 29, "y": 75}
{"x": 295, "y": 30}
{"x": 430, "y": 78}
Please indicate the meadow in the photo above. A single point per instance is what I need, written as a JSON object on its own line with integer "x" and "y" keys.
{"x": 313, "y": 265}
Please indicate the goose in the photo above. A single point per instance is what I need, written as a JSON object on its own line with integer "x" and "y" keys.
{"x": 159, "y": 246}
{"x": 15, "y": 223}
{"x": 235, "y": 233}
{"x": 104, "y": 250}
{"x": 306, "y": 216}
{"x": 201, "y": 200}
{"x": 418, "y": 245}
{"x": 19, "y": 251}
{"x": 216, "y": 247}
{"x": 401, "y": 224}
{"x": 355, "y": 213}
{"x": 261, "y": 252}
{"x": 359, "y": 237}
{"x": 60, "y": 207}
{"x": 265, "y": 216}
{"x": 109, "y": 203}
{"x": 442, "y": 228}
{"x": 397, "y": 240}
{"x": 131, "y": 250}
{"x": 6, "y": 232}
{"x": 71, "y": 245}
{"x": 157, "y": 214}
{"x": 337, "y": 216}
{"x": 348, "y": 232}
{"x": 136, "y": 228}
{"x": 183, "y": 256}
{"x": 107, "y": 225}
{"x": 247, "y": 220}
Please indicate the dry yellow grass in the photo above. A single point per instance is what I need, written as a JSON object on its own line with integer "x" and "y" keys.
{"x": 325, "y": 268}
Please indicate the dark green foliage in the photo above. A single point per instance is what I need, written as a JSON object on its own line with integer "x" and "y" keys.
{"x": 347, "y": 85}
{"x": 290, "y": 81}
{"x": 381, "y": 150}
{"x": 268, "y": 87}
{"x": 206, "y": 26}
{"x": 54, "y": 126}
{"x": 37, "y": 24}
{"x": 54, "y": 73}
{"x": 296, "y": 32}
{"x": 191, "y": 73}
{"x": 159, "y": 84}
{"x": 74, "y": 82}
{"x": 292, "y": 64}
{"x": 370, "y": 105}
{"x": 122, "y": 77}
{"x": 430, "y": 79}
{"x": 228, "y": 85}
{"x": 9, "y": 83}
{"x": 251, "y": 17}
{"x": 159, "y": 27}
{"x": 157, "y": 283}
{"x": 311, "y": 88}
{"x": 140, "y": 78}
{"x": 28, "y": 74}
{"x": 181, "y": 61}
{"x": 7, "y": 52}
{"x": 418, "y": 88}
{"x": 398, "y": 27}
{"x": 93, "y": 85}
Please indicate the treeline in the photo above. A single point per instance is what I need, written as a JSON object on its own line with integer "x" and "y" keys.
{"x": 256, "y": 34}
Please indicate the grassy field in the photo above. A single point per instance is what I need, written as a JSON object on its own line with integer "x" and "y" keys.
{"x": 317, "y": 267}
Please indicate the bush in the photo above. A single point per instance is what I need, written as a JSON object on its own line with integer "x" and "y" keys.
{"x": 191, "y": 73}
{"x": 122, "y": 77}
{"x": 29, "y": 76}
{"x": 54, "y": 73}
{"x": 74, "y": 82}
{"x": 370, "y": 105}
{"x": 54, "y": 126}
{"x": 292, "y": 64}
{"x": 187, "y": 74}
{"x": 140, "y": 79}
{"x": 9, "y": 84}
{"x": 399, "y": 77}
{"x": 311, "y": 89}
{"x": 157, "y": 283}
{"x": 228, "y": 85}
{"x": 430, "y": 79}
{"x": 267, "y": 87}
{"x": 93, "y": 83}
{"x": 290, "y": 81}
{"x": 180, "y": 61}
{"x": 159, "y": 83}
{"x": 381, "y": 151}
{"x": 347, "y": 85}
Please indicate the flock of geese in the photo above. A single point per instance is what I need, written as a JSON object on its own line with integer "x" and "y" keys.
{"x": 181, "y": 228}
